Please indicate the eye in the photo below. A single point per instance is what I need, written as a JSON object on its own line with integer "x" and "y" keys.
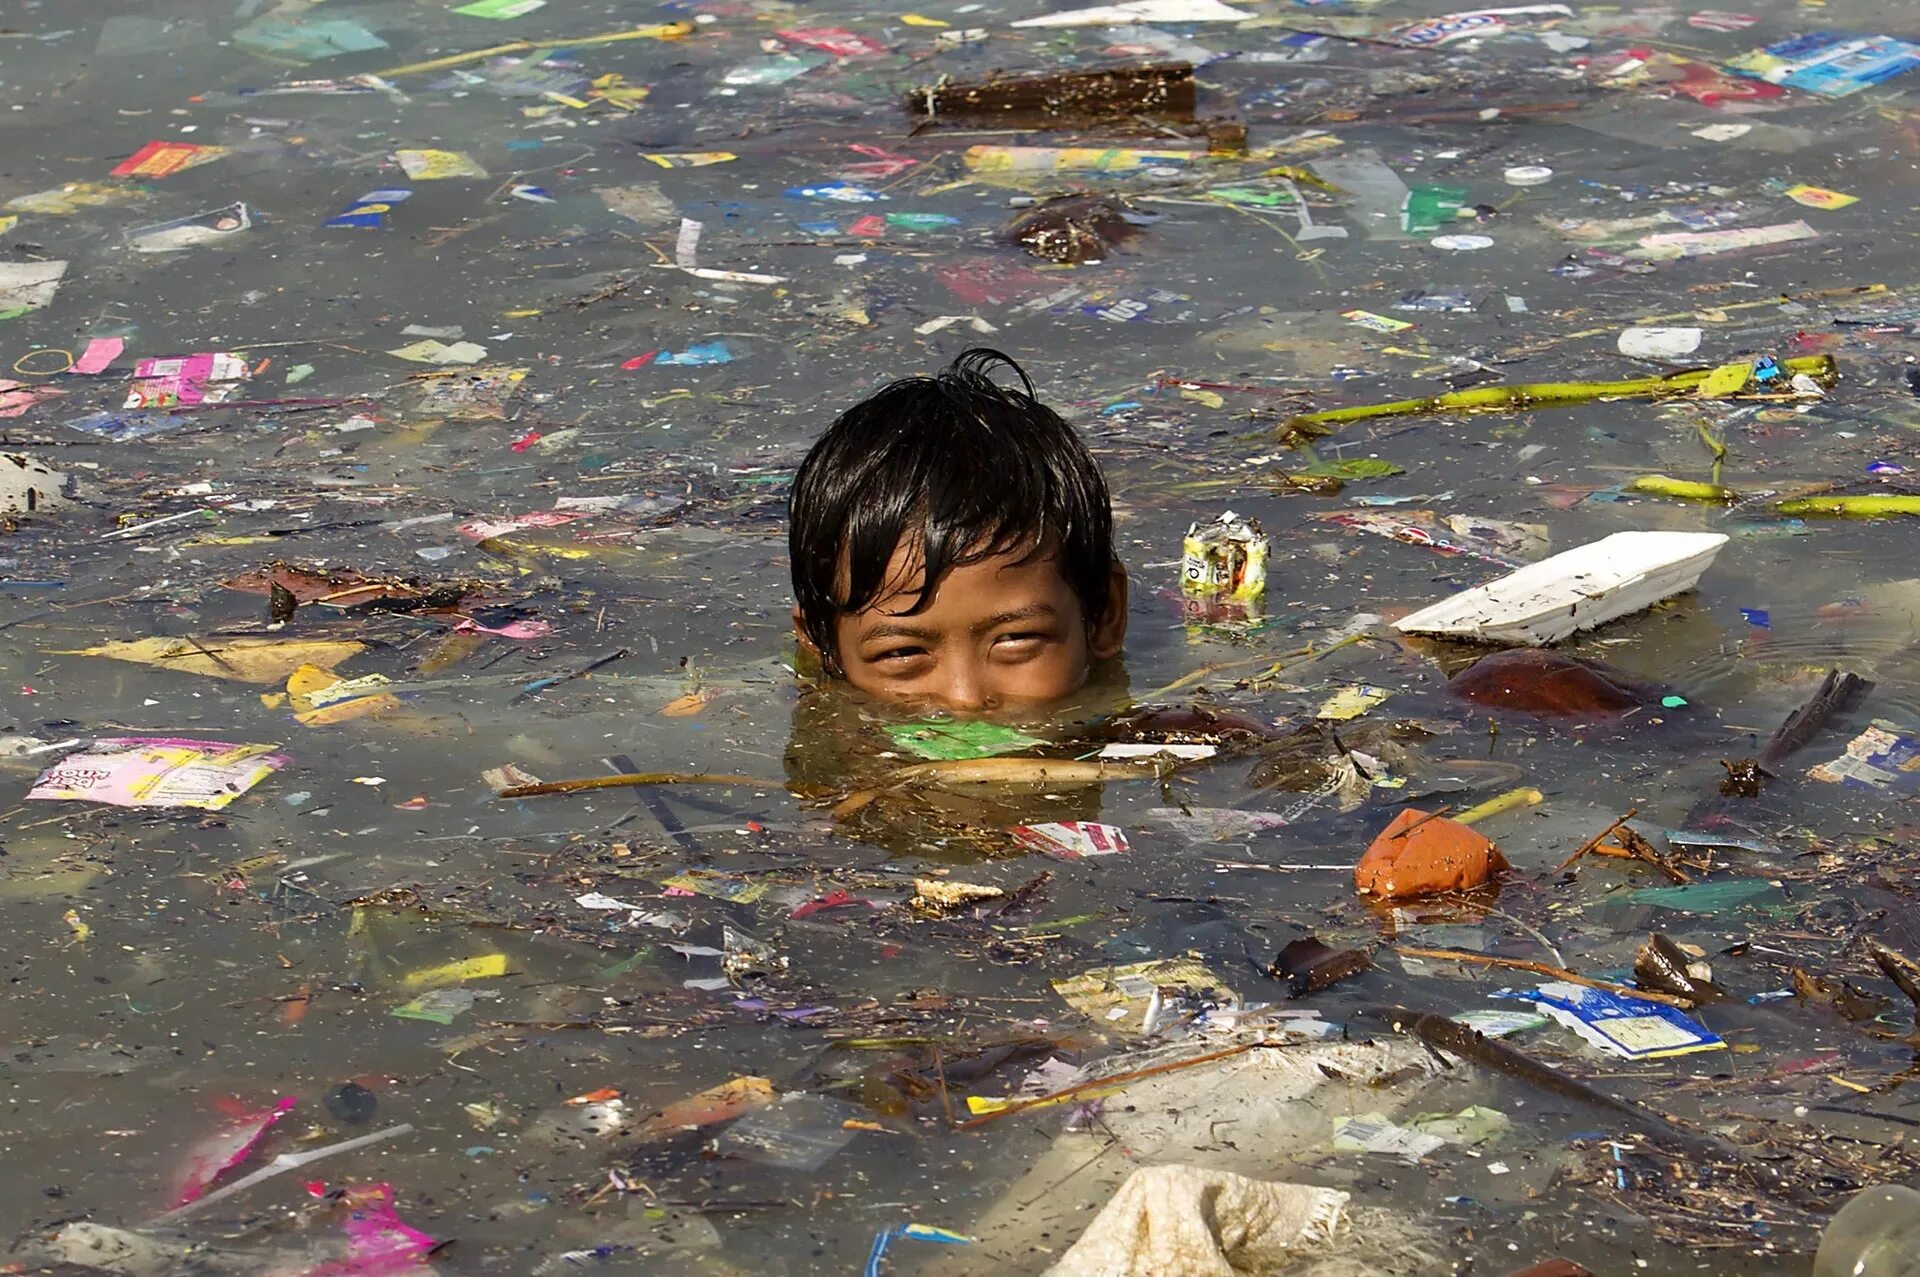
{"x": 1021, "y": 642}
{"x": 898, "y": 655}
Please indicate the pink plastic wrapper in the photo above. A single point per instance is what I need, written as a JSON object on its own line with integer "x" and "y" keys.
{"x": 220, "y": 1152}
{"x": 378, "y": 1242}
{"x": 485, "y": 529}
{"x": 100, "y": 352}
{"x": 210, "y": 377}
{"x": 17, "y": 396}
{"x": 159, "y": 771}
{"x": 512, "y": 629}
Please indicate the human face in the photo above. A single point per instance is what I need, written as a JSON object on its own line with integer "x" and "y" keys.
{"x": 1005, "y": 632}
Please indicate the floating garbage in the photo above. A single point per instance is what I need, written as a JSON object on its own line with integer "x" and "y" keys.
{"x": 1356, "y": 701}
{"x": 1578, "y": 589}
{"x": 1423, "y": 853}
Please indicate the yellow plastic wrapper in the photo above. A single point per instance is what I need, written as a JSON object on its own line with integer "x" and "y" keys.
{"x": 1225, "y": 559}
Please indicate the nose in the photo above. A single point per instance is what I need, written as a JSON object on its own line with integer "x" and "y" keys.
{"x": 965, "y": 689}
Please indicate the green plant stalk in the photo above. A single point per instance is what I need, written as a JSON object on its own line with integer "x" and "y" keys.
{"x": 1546, "y": 394}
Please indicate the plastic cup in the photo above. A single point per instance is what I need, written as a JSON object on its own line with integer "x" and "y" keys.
{"x": 1877, "y": 1234}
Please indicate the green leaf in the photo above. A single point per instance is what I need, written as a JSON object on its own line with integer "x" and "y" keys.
{"x": 1351, "y": 468}
{"x": 954, "y": 740}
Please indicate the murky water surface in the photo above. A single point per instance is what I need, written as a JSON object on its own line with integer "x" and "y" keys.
{"x": 657, "y": 249}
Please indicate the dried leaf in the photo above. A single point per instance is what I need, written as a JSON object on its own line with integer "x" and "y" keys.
{"x": 692, "y": 703}
{"x": 244, "y": 660}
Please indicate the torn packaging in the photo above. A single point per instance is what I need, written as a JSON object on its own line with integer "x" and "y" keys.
{"x": 1282, "y": 1098}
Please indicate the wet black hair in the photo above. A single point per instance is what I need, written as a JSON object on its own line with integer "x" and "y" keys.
{"x": 975, "y": 469}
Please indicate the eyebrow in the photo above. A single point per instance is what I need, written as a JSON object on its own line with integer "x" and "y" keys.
{"x": 1031, "y": 612}
{"x": 887, "y": 630}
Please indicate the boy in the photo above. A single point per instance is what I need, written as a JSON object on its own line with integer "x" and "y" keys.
{"x": 952, "y": 546}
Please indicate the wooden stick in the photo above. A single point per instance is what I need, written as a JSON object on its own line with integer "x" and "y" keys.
{"x": 664, "y": 31}
{"x": 1542, "y": 968}
{"x": 1600, "y": 837}
{"x": 583, "y": 783}
{"x": 1638, "y": 848}
{"x": 1118, "y": 1078}
{"x": 940, "y": 1070}
{"x": 946, "y": 773}
{"x": 1432, "y": 815}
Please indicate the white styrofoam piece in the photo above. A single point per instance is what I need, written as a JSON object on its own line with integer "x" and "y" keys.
{"x": 1119, "y": 15}
{"x": 1584, "y": 587}
{"x": 27, "y": 483}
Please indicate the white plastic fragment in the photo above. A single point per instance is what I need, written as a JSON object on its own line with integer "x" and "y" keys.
{"x": 1118, "y": 15}
{"x": 1658, "y": 343}
{"x": 1580, "y": 589}
{"x": 27, "y": 484}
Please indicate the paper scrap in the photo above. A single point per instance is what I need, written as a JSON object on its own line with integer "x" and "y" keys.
{"x": 14, "y": 400}
{"x": 703, "y": 882}
{"x": 1378, "y": 323}
{"x": 64, "y": 201}
{"x": 483, "y": 967}
{"x": 1374, "y": 1133}
{"x": 159, "y": 771}
{"x": 370, "y": 210}
{"x": 100, "y": 352}
{"x": 1879, "y": 758}
{"x": 1350, "y": 702}
{"x": 1632, "y": 1028}
{"x": 686, "y": 252}
{"x": 211, "y": 377}
{"x": 499, "y": 10}
{"x": 1138, "y": 997}
{"x": 210, "y": 227}
{"x": 27, "y": 286}
{"x": 436, "y": 352}
{"x": 687, "y": 159}
{"x": 1072, "y": 839}
{"x": 158, "y": 159}
{"x": 1157, "y": 749}
{"x": 429, "y": 165}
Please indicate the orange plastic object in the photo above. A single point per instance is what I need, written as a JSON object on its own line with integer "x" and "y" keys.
{"x": 1421, "y": 854}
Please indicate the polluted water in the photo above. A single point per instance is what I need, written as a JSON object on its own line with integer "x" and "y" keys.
{"x": 427, "y": 850}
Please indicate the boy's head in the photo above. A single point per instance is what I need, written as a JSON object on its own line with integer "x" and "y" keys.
{"x": 952, "y": 545}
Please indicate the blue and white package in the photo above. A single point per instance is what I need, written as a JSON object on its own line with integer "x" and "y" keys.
{"x": 1881, "y": 757}
{"x": 1831, "y": 63}
{"x": 1631, "y": 1028}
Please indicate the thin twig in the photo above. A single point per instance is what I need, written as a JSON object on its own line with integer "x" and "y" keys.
{"x": 1116, "y": 1079}
{"x": 1542, "y": 968}
{"x": 1600, "y": 837}
{"x": 625, "y": 779}
{"x": 940, "y": 1071}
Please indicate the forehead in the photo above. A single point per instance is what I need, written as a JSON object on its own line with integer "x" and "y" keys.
{"x": 906, "y": 570}
{"x": 995, "y": 584}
